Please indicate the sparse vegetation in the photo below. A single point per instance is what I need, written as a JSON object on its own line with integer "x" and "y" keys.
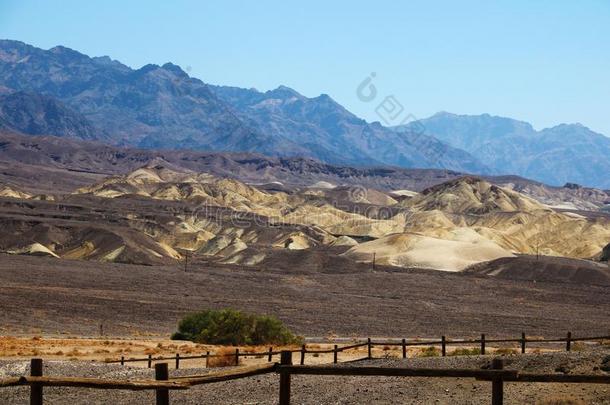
{"x": 465, "y": 352}
{"x": 232, "y": 327}
{"x": 224, "y": 357}
{"x": 430, "y": 351}
{"x": 578, "y": 346}
{"x": 560, "y": 401}
{"x": 506, "y": 351}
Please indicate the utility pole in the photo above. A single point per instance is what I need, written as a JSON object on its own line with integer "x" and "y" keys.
{"x": 374, "y": 254}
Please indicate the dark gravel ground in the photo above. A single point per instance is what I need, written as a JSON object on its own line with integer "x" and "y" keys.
{"x": 336, "y": 390}
{"x": 312, "y": 291}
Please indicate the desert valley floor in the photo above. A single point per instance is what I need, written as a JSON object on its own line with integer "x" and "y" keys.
{"x": 314, "y": 292}
{"x": 116, "y": 246}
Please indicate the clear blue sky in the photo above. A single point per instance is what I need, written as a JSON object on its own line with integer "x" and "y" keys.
{"x": 545, "y": 62}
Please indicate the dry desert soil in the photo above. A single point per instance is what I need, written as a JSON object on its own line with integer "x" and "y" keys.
{"x": 313, "y": 291}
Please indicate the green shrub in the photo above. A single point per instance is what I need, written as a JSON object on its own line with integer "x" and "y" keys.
{"x": 232, "y": 327}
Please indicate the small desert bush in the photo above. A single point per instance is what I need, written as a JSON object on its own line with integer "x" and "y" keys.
{"x": 505, "y": 351}
{"x": 223, "y": 357}
{"x": 578, "y": 347}
{"x": 430, "y": 351}
{"x": 232, "y": 327}
{"x": 560, "y": 401}
{"x": 475, "y": 351}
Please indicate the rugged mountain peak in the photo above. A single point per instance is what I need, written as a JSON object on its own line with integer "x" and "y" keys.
{"x": 284, "y": 92}
{"x": 175, "y": 69}
{"x": 68, "y": 52}
{"x": 109, "y": 62}
{"x": 150, "y": 67}
{"x": 564, "y": 153}
{"x": 572, "y": 186}
{"x": 325, "y": 98}
{"x": 572, "y": 131}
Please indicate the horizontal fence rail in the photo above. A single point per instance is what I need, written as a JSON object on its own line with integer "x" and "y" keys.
{"x": 163, "y": 384}
{"x": 443, "y": 343}
{"x": 497, "y": 375}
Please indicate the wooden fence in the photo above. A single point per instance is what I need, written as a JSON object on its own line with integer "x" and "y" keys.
{"x": 442, "y": 343}
{"x": 162, "y": 384}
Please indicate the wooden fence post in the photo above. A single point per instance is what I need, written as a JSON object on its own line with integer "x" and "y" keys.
{"x": 568, "y": 342}
{"x": 302, "y": 354}
{"x": 150, "y": 361}
{"x": 177, "y": 361}
{"x": 522, "y": 342}
{"x": 285, "y": 360}
{"x": 237, "y": 356}
{"x": 207, "y": 359}
{"x": 335, "y": 354}
{"x": 162, "y": 374}
{"x": 370, "y": 355}
{"x": 404, "y": 348}
{"x": 497, "y": 384}
{"x": 270, "y": 354}
{"x": 122, "y": 360}
{"x": 482, "y": 343}
{"x": 443, "y": 346}
{"x": 36, "y": 389}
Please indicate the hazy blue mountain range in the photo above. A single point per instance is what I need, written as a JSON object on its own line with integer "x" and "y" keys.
{"x": 565, "y": 153}
{"x": 35, "y": 114}
{"x": 65, "y": 93}
{"x": 162, "y": 107}
{"x": 335, "y": 135}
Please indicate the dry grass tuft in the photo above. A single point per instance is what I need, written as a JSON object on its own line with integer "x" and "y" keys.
{"x": 430, "y": 351}
{"x": 466, "y": 352}
{"x": 224, "y": 357}
{"x": 505, "y": 351}
{"x": 560, "y": 401}
{"x": 578, "y": 346}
